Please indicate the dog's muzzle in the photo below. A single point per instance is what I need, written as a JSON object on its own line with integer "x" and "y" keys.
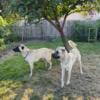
{"x": 55, "y": 56}
{"x": 16, "y": 49}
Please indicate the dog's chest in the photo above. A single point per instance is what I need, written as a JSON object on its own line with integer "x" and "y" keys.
{"x": 65, "y": 66}
{"x": 65, "y": 63}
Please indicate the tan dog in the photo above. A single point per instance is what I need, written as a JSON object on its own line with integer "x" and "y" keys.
{"x": 32, "y": 56}
{"x": 67, "y": 60}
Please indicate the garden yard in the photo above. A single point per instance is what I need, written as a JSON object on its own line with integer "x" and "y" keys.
{"x": 15, "y": 83}
{"x": 37, "y": 23}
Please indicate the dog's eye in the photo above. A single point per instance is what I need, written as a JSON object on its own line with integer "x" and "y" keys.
{"x": 63, "y": 50}
{"x": 57, "y": 52}
{"x": 22, "y": 47}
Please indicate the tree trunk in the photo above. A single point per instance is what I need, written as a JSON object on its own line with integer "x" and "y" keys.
{"x": 64, "y": 40}
{"x": 60, "y": 30}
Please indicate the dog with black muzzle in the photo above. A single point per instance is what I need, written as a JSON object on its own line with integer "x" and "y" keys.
{"x": 34, "y": 55}
{"x": 67, "y": 60}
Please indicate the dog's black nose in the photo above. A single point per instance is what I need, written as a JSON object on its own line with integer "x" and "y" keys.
{"x": 55, "y": 56}
{"x": 16, "y": 49}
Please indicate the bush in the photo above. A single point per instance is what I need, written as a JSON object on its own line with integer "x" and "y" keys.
{"x": 6, "y": 35}
{"x": 4, "y": 31}
{"x": 80, "y": 30}
{"x": 2, "y": 44}
{"x": 12, "y": 38}
{"x": 98, "y": 26}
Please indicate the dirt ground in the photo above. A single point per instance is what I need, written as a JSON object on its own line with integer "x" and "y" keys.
{"x": 48, "y": 82}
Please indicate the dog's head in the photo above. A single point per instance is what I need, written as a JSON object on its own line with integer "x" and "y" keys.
{"x": 20, "y": 48}
{"x": 59, "y": 53}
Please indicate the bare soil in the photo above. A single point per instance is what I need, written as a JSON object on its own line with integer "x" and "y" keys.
{"x": 48, "y": 82}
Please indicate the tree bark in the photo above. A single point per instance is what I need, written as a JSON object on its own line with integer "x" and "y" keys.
{"x": 60, "y": 30}
{"x": 64, "y": 40}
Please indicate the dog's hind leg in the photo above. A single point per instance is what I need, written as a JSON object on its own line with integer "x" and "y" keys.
{"x": 46, "y": 63}
{"x": 50, "y": 65}
{"x": 80, "y": 64}
{"x": 69, "y": 72}
{"x": 69, "y": 76}
{"x": 49, "y": 62}
{"x": 31, "y": 69}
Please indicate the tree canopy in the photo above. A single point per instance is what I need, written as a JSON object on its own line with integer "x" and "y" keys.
{"x": 51, "y": 10}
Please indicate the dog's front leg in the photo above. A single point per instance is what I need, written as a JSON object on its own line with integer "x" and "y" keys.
{"x": 62, "y": 76}
{"x": 69, "y": 76}
{"x": 31, "y": 68}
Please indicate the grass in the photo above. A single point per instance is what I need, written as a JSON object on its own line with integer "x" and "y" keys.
{"x": 15, "y": 69}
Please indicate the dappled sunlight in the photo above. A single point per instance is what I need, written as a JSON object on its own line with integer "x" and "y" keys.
{"x": 8, "y": 88}
{"x": 27, "y": 94}
{"x": 48, "y": 97}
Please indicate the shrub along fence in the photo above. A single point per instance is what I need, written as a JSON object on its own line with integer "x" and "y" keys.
{"x": 76, "y": 30}
{"x": 86, "y": 30}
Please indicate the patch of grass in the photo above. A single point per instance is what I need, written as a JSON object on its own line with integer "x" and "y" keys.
{"x": 17, "y": 67}
{"x": 89, "y": 48}
{"x": 13, "y": 68}
{"x": 84, "y": 47}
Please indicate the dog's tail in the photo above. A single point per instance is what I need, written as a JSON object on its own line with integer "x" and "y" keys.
{"x": 72, "y": 44}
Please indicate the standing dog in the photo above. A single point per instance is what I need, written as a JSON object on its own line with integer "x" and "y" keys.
{"x": 32, "y": 56}
{"x": 67, "y": 60}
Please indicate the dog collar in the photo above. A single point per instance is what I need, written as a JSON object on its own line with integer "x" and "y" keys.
{"x": 26, "y": 55}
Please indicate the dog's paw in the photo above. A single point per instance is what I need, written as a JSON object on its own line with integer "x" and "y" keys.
{"x": 81, "y": 72}
{"x": 62, "y": 85}
{"x": 49, "y": 68}
{"x": 30, "y": 75}
{"x": 68, "y": 82}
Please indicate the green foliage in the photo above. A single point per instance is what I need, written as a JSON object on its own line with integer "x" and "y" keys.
{"x": 81, "y": 29}
{"x": 97, "y": 5}
{"x": 98, "y": 26}
{"x": 4, "y": 31}
{"x": 12, "y": 38}
{"x": 2, "y": 21}
{"x": 50, "y": 9}
{"x": 6, "y": 35}
{"x": 2, "y": 44}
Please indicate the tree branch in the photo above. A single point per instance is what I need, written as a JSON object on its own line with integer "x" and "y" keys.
{"x": 80, "y": 10}
{"x": 51, "y": 22}
{"x": 72, "y": 7}
{"x": 64, "y": 21}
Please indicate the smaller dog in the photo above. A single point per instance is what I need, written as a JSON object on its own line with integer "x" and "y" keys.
{"x": 67, "y": 60}
{"x": 32, "y": 56}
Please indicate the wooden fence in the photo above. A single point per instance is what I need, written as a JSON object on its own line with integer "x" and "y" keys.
{"x": 40, "y": 30}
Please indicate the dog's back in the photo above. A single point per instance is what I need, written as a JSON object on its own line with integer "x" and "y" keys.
{"x": 42, "y": 53}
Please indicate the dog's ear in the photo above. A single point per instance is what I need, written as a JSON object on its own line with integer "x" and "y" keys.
{"x": 22, "y": 47}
